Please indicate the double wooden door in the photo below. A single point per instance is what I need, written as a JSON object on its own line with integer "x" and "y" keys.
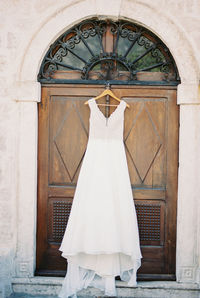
{"x": 151, "y": 144}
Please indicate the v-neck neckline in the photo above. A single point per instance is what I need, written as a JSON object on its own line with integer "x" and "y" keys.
{"x": 100, "y": 112}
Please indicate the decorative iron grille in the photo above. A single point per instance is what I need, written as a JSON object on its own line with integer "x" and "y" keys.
{"x": 107, "y": 51}
{"x": 149, "y": 217}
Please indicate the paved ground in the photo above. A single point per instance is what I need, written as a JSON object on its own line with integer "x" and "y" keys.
{"x": 30, "y": 296}
{"x": 44, "y": 296}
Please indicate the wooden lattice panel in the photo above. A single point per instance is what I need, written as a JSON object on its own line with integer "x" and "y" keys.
{"x": 149, "y": 222}
{"x": 60, "y": 211}
{"x": 148, "y": 215}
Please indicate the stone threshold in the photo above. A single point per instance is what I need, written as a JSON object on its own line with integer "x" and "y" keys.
{"x": 157, "y": 289}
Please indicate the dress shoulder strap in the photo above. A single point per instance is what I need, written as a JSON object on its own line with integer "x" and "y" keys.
{"x": 124, "y": 105}
{"x": 91, "y": 103}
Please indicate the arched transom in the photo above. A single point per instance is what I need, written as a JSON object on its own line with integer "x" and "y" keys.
{"x": 103, "y": 50}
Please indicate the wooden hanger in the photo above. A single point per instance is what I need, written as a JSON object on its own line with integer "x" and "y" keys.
{"x": 107, "y": 91}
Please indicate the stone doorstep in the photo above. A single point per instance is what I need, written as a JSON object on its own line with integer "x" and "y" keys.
{"x": 156, "y": 289}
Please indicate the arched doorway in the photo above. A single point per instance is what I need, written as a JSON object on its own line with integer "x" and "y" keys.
{"x": 141, "y": 70}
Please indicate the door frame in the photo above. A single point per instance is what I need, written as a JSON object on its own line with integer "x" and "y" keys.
{"x": 161, "y": 92}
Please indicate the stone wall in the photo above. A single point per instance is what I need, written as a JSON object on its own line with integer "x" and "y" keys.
{"x": 27, "y": 29}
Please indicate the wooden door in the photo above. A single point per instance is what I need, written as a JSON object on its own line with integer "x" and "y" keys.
{"x": 151, "y": 143}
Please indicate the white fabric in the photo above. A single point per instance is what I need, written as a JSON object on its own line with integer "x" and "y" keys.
{"x": 101, "y": 240}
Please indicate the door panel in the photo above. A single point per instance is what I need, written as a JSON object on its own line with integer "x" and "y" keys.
{"x": 151, "y": 144}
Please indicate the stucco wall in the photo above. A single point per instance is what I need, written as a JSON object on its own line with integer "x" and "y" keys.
{"x": 27, "y": 29}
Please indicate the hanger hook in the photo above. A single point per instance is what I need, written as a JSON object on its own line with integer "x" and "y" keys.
{"x": 108, "y": 85}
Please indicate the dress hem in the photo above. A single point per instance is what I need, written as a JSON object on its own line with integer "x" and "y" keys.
{"x": 78, "y": 278}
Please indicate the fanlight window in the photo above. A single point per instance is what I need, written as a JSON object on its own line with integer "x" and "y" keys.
{"x": 108, "y": 51}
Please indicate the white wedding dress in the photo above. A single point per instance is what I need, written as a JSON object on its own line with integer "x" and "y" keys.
{"x": 101, "y": 240}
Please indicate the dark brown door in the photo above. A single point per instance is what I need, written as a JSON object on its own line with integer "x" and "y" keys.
{"x": 151, "y": 143}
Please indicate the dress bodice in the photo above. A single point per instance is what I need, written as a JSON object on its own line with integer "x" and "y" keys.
{"x": 110, "y": 128}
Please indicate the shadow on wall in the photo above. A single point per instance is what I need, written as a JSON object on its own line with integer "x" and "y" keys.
{"x": 5, "y": 275}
